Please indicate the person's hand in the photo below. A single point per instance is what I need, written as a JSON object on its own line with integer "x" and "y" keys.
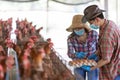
{"x": 93, "y": 68}
{"x": 85, "y": 67}
{"x": 80, "y": 54}
{"x": 93, "y": 56}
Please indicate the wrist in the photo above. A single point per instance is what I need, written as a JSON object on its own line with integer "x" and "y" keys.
{"x": 93, "y": 68}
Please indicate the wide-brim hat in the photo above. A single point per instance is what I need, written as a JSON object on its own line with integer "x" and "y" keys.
{"x": 91, "y": 12}
{"x": 77, "y": 23}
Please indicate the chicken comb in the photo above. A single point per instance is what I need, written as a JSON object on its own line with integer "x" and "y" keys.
{"x": 34, "y": 37}
{"x": 30, "y": 40}
{"x": 8, "y": 40}
{"x": 16, "y": 31}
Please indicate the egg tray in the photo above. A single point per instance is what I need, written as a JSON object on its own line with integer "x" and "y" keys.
{"x": 81, "y": 62}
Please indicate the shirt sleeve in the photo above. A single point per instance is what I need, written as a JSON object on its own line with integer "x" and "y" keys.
{"x": 71, "y": 51}
{"x": 106, "y": 46}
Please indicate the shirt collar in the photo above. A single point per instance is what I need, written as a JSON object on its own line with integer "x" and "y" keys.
{"x": 104, "y": 25}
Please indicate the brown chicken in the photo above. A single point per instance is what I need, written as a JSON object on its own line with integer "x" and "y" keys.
{"x": 17, "y": 49}
{"x": 38, "y": 63}
{"x": 1, "y": 72}
{"x": 25, "y": 60}
{"x": 2, "y": 63}
{"x": 48, "y": 46}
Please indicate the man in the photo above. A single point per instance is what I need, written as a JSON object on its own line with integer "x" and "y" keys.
{"x": 108, "y": 44}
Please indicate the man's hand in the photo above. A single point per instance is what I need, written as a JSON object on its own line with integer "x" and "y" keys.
{"x": 100, "y": 63}
{"x": 93, "y": 68}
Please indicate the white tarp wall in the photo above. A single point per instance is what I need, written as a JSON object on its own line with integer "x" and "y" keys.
{"x": 112, "y": 8}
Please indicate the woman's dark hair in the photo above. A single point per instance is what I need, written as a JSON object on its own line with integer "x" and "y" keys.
{"x": 100, "y": 16}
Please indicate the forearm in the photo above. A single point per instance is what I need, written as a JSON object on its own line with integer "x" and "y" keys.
{"x": 100, "y": 63}
{"x": 71, "y": 55}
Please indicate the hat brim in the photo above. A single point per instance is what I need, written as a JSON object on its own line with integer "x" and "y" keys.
{"x": 84, "y": 20}
{"x": 70, "y": 29}
{"x": 73, "y": 26}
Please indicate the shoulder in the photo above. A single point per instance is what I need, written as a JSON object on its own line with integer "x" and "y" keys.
{"x": 112, "y": 25}
{"x": 112, "y": 30}
{"x": 93, "y": 35}
{"x": 93, "y": 32}
{"x": 71, "y": 35}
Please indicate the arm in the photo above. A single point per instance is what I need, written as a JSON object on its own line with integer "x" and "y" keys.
{"x": 100, "y": 63}
{"x": 106, "y": 49}
{"x": 70, "y": 52}
{"x": 74, "y": 54}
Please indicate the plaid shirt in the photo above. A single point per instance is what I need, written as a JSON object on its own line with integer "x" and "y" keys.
{"x": 75, "y": 46}
{"x": 109, "y": 49}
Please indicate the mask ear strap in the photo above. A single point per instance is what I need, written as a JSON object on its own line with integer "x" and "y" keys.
{"x": 97, "y": 19}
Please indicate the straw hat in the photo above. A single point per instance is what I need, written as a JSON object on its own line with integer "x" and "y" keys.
{"x": 77, "y": 23}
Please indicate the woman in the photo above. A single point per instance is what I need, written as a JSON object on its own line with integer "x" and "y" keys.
{"x": 82, "y": 43}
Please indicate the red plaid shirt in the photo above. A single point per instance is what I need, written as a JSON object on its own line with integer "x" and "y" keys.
{"x": 109, "y": 48}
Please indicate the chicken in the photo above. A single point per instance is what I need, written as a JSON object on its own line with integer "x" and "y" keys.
{"x": 42, "y": 65}
{"x": 10, "y": 61}
{"x": 8, "y": 43}
{"x": 38, "y": 59}
{"x": 17, "y": 49}
{"x": 37, "y": 62}
{"x": 2, "y": 51}
{"x": 48, "y": 46}
{"x": 35, "y": 39}
{"x": 25, "y": 59}
{"x": 40, "y": 37}
{"x": 2, "y": 63}
{"x": 1, "y": 72}
{"x": 62, "y": 72}
{"x": 38, "y": 30}
{"x": 25, "y": 67}
{"x": 1, "y": 34}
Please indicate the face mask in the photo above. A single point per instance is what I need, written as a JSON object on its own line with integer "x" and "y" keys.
{"x": 94, "y": 26}
{"x": 79, "y": 32}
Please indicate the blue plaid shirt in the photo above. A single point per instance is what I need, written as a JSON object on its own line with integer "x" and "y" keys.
{"x": 89, "y": 46}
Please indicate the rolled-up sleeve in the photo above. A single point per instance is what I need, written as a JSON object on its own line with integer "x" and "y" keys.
{"x": 71, "y": 50}
{"x": 107, "y": 46}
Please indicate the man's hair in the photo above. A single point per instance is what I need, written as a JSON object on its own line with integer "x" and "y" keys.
{"x": 100, "y": 16}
